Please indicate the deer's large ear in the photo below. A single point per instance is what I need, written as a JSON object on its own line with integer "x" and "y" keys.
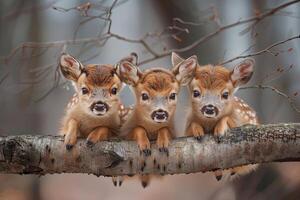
{"x": 70, "y": 67}
{"x": 176, "y": 59}
{"x": 128, "y": 72}
{"x": 185, "y": 70}
{"x": 242, "y": 72}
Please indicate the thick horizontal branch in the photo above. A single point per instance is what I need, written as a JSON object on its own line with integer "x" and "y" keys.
{"x": 243, "y": 145}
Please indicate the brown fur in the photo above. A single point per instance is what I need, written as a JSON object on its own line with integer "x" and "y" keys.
{"x": 139, "y": 127}
{"x": 79, "y": 119}
{"x": 158, "y": 81}
{"x": 100, "y": 75}
{"x": 159, "y": 85}
{"x": 212, "y": 77}
{"x": 235, "y": 112}
{"x": 210, "y": 84}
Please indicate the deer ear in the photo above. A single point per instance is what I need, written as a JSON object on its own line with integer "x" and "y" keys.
{"x": 132, "y": 58}
{"x": 242, "y": 73}
{"x": 176, "y": 59}
{"x": 70, "y": 67}
{"x": 185, "y": 70}
{"x": 128, "y": 72}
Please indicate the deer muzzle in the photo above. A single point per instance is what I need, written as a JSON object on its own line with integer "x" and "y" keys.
{"x": 209, "y": 111}
{"x": 99, "y": 108}
{"x": 160, "y": 116}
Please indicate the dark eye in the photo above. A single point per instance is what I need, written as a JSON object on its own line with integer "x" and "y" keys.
{"x": 145, "y": 96}
{"x": 84, "y": 90}
{"x": 225, "y": 95}
{"x": 114, "y": 90}
{"x": 172, "y": 96}
{"x": 196, "y": 93}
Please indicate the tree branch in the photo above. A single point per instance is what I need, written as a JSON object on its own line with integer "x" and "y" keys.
{"x": 254, "y": 20}
{"x": 266, "y": 50}
{"x": 243, "y": 145}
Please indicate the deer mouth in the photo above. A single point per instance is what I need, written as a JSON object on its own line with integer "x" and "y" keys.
{"x": 99, "y": 108}
{"x": 209, "y": 111}
{"x": 160, "y": 116}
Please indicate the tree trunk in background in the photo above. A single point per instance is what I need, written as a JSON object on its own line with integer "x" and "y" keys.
{"x": 27, "y": 97}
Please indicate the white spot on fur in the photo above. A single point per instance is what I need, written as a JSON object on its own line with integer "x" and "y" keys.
{"x": 245, "y": 105}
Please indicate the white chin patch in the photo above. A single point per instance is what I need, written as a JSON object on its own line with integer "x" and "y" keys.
{"x": 99, "y": 113}
{"x": 209, "y": 115}
{"x": 159, "y": 120}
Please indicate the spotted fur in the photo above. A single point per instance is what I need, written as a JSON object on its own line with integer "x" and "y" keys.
{"x": 159, "y": 86}
{"x": 95, "y": 111}
{"x": 214, "y": 108}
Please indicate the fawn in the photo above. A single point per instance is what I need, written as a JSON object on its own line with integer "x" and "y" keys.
{"x": 214, "y": 108}
{"x": 95, "y": 111}
{"x": 153, "y": 114}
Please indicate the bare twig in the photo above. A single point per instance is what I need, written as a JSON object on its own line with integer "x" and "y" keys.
{"x": 277, "y": 91}
{"x": 255, "y": 19}
{"x": 278, "y": 72}
{"x": 265, "y": 50}
{"x": 155, "y": 55}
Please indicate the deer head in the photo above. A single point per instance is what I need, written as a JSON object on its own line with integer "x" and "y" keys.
{"x": 212, "y": 88}
{"x": 156, "y": 89}
{"x": 97, "y": 86}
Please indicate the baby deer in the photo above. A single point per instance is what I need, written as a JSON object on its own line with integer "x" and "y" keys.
{"x": 214, "y": 108}
{"x": 95, "y": 109}
{"x": 156, "y": 96}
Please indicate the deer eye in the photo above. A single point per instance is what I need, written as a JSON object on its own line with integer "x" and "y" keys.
{"x": 145, "y": 97}
{"x": 84, "y": 90}
{"x": 225, "y": 95}
{"x": 172, "y": 96}
{"x": 196, "y": 93}
{"x": 114, "y": 90}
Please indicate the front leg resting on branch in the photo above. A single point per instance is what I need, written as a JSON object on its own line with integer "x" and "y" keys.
{"x": 243, "y": 145}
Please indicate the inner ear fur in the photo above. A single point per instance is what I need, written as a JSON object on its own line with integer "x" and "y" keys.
{"x": 70, "y": 67}
{"x": 185, "y": 70}
{"x": 242, "y": 72}
{"x": 128, "y": 72}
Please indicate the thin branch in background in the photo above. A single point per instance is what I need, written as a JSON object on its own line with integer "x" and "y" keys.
{"x": 277, "y": 91}
{"x": 266, "y": 50}
{"x": 4, "y": 78}
{"x": 155, "y": 55}
{"x": 209, "y": 36}
{"x": 288, "y": 14}
{"x": 82, "y": 8}
{"x": 56, "y": 83}
{"x": 178, "y": 27}
{"x": 276, "y": 74}
{"x": 261, "y": 16}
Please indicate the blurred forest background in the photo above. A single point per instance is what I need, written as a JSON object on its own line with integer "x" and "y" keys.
{"x": 33, "y": 95}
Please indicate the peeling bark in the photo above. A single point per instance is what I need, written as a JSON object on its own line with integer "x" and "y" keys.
{"x": 243, "y": 145}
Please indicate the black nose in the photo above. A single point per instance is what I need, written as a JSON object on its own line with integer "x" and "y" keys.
{"x": 99, "y": 107}
{"x": 210, "y": 110}
{"x": 160, "y": 115}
